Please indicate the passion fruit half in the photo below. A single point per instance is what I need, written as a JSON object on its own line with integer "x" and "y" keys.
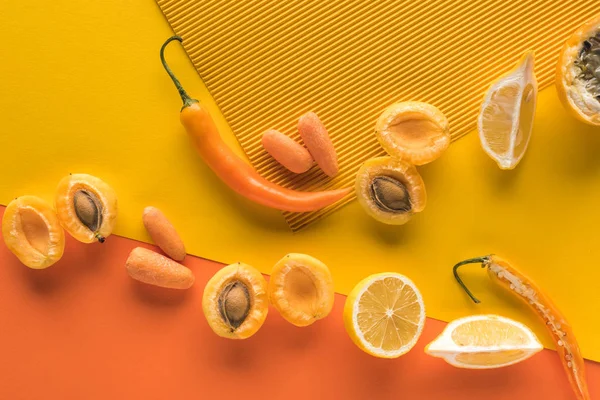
{"x": 578, "y": 73}
{"x": 390, "y": 190}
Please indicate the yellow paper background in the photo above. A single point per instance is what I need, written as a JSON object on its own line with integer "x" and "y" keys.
{"x": 82, "y": 90}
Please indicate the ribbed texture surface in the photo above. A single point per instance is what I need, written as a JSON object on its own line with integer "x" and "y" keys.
{"x": 268, "y": 62}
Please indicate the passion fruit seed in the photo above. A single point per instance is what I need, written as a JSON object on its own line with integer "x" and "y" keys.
{"x": 88, "y": 209}
{"x": 389, "y": 194}
{"x": 588, "y": 63}
{"x": 234, "y": 304}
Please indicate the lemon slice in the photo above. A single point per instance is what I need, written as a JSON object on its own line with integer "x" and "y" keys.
{"x": 483, "y": 342}
{"x": 384, "y": 315}
{"x": 506, "y": 117}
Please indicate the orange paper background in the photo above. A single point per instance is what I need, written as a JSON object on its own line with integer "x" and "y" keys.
{"x": 83, "y": 329}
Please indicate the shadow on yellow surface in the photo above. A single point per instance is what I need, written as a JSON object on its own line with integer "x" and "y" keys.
{"x": 83, "y": 91}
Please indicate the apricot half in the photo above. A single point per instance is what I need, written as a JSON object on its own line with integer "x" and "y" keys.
{"x": 235, "y": 301}
{"x": 390, "y": 190}
{"x": 32, "y": 232}
{"x": 301, "y": 289}
{"x": 413, "y": 131}
{"x": 578, "y": 73}
{"x": 86, "y": 207}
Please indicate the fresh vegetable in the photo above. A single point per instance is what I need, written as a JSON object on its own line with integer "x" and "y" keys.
{"x": 316, "y": 138}
{"x": 501, "y": 272}
{"x": 32, "y": 232}
{"x": 86, "y": 207}
{"x": 235, "y": 301}
{"x": 301, "y": 289}
{"x": 287, "y": 152}
{"x": 506, "y": 118}
{"x": 163, "y": 233}
{"x": 484, "y": 342}
{"x": 578, "y": 73}
{"x": 384, "y": 315}
{"x": 231, "y": 169}
{"x": 390, "y": 190}
{"x": 413, "y": 131}
{"x": 155, "y": 269}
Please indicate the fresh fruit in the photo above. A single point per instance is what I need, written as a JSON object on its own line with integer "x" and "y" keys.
{"x": 32, "y": 232}
{"x": 163, "y": 233}
{"x": 384, "y": 315}
{"x": 484, "y": 341}
{"x": 301, "y": 289}
{"x": 235, "y": 301}
{"x": 315, "y": 137}
{"x": 287, "y": 152}
{"x": 413, "y": 131}
{"x": 155, "y": 269}
{"x": 86, "y": 207}
{"x": 578, "y": 73}
{"x": 506, "y": 117}
{"x": 390, "y": 190}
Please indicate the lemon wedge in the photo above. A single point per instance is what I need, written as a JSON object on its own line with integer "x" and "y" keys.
{"x": 384, "y": 315}
{"x": 506, "y": 117}
{"x": 483, "y": 342}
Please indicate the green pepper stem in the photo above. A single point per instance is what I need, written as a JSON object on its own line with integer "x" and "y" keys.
{"x": 482, "y": 260}
{"x": 187, "y": 100}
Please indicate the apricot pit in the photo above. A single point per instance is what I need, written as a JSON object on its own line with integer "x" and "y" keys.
{"x": 235, "y": 301}
{"x": 86, "y": 207}
{"x": 32, "y": 232}
{"x": 390, "y": 190}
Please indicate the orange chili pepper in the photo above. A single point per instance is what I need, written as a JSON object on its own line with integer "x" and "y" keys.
{"x": 231, "y": 169}
{"x": 501, "y": 272}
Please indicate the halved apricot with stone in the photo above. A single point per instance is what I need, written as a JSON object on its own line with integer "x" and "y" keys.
{"x": 235, "y": 301}
{"x": 390, "y": 190}
{"x": 86, "y": 207}
{"x": 413, "y": 131}
{"x": 301, "y": 289}
{"x": 32, "y": 232}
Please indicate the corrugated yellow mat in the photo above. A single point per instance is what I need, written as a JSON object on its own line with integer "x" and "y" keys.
{"x": 268, "y": 62}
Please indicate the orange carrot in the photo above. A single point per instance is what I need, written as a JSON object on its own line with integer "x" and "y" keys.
{"x": 155, "y": 269}
{"x": 163, "y": 233}
{"x": 319, "y": 144}
{"x": 286, "y": 151}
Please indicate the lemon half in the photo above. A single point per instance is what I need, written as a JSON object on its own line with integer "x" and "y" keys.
{"x": 384, "y": 315}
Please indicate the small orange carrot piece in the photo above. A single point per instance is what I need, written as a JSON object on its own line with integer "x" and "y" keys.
{"x": 286, "y": 151}
{"x": 319, "y": 144}
{"x": 163, "y": 233}
{"x": 155, "y": 269}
